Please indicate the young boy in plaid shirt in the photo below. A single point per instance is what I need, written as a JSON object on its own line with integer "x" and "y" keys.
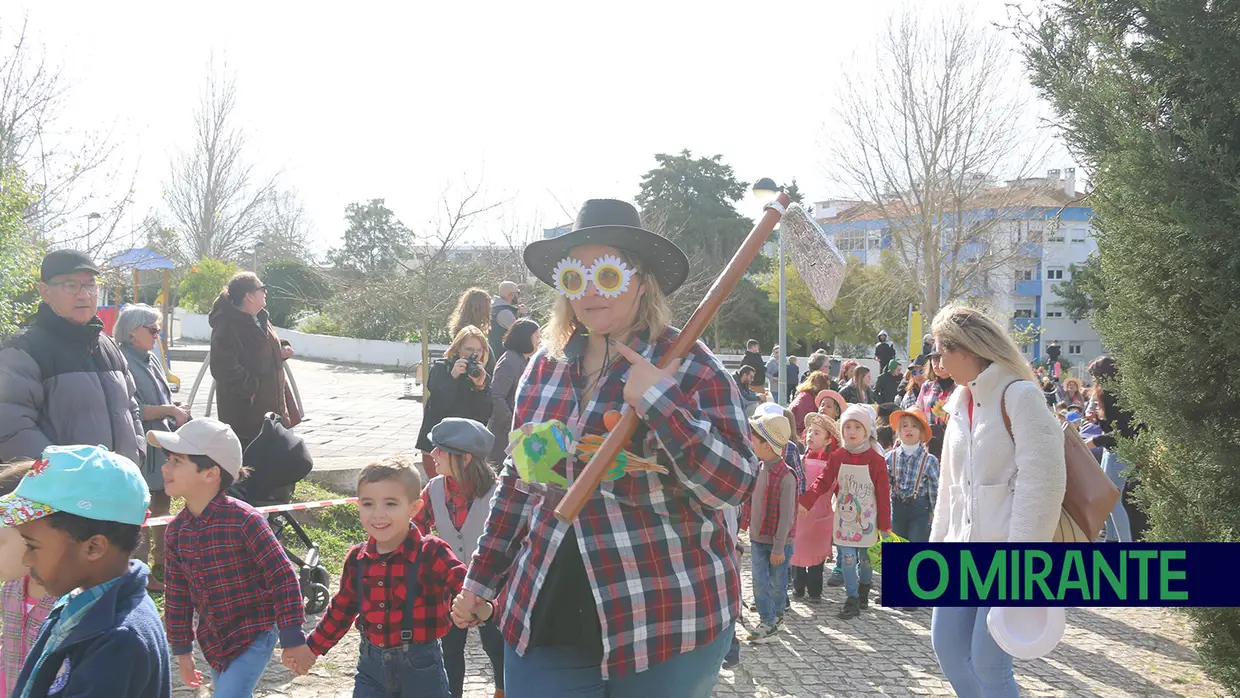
{"x": 399, "y": 586}
{"x": 772, "y": 521}
{"x": 224, "y": 562}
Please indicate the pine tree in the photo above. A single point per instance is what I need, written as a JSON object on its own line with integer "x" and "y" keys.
{"x": 1146, "y": 94}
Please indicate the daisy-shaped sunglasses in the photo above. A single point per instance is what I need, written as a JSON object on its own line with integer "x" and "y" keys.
{"x": 610, "y": 275}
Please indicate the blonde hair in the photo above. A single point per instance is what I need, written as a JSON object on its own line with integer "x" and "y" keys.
{"x": 653, "y": 314}
{"x": 465, "y": 333}
{"x": 815, "y": 382}
{"x": 473, "y": 308}
{"x": 964, "y": 328}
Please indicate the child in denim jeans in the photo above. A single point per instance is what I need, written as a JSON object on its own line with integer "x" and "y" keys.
{"x": 863, "y": 505}
{"x": 399, "y": 585}
{"x": 772, "y": 521}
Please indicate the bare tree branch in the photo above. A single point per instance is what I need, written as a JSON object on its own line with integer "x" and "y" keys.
{"x": 927, "y": 136}
{"x": 68, "y": 171}
{"x": 218, "y": 200}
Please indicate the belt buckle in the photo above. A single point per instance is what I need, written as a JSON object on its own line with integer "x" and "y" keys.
{"x": 406, "y": 636}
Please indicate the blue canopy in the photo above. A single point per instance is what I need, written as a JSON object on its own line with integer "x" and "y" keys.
{"x": 140, "y": 259}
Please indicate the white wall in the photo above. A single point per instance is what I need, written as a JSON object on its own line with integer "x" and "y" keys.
{"x": 367, "y": 352}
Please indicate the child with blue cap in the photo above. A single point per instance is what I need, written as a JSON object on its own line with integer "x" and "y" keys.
{"x": 80, "y": 511}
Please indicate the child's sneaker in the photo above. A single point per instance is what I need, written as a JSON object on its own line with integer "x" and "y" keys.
{"x": 852, "y": 609}
{"x": 762, "y": 634}
{"x": 837, "y": 579}
{"x": 779, "y": 620}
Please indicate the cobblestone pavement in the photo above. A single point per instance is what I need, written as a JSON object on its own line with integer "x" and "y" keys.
{"x": 1105, "y": 652}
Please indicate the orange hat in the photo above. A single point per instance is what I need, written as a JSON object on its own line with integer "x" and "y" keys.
{"x": 894, "y": 421}
{"x": 831, "y": 394}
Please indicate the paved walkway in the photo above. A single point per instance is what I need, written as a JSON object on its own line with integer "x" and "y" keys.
{"x": 356, "y": 412}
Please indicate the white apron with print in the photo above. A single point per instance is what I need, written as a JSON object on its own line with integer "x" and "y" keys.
{"x": 856, "y": 508}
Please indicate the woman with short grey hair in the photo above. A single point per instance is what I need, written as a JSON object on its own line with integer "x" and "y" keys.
{"x": 137, "y": 331}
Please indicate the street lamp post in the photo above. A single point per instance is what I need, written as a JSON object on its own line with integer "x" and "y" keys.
{"x": 766, "y": 190}
{"x": 257, "y": 247}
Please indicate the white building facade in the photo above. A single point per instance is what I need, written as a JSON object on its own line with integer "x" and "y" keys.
{"x": 1053, "y": 234}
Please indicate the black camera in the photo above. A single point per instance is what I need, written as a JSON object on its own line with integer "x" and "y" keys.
{"x": 472, "y": 368}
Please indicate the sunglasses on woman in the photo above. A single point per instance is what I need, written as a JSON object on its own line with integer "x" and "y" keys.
{"x": 153, "y": 330}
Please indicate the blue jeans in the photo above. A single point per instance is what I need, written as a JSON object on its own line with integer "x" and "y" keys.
{"x": 968, "y": 656}
{"x": 852, "y": 559}
{"x": 910, "y": 518}
{"x": 1118, "y": 528}
{"x": 734, "y": 652}
{"x": 566, "y": 672}
{"x": 242, "y": 674}
{"x": 770, "y": 582}
{"x": 409, "y": 671}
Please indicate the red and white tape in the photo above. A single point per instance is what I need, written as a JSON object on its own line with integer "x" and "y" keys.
{"x": 296, "y": 506}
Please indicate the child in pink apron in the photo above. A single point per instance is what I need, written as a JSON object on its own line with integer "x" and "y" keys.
{"x": 812, "y": 545}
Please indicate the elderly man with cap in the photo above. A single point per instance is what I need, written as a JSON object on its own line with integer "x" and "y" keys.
{"x": 62, "y": 380}
{"x": 505, "y": 309}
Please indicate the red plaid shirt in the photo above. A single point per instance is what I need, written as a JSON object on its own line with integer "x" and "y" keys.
{"x": 383, "y": 606}
{"x": 456, "y": 501}
{"x": 227, "y": 565}
{"x": 656, "y": 547}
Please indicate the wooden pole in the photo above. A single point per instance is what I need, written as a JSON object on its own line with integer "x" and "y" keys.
{"x": 592, "y": 475}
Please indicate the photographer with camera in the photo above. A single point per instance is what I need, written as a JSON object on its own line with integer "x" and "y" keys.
{"x": 458, "y": 386}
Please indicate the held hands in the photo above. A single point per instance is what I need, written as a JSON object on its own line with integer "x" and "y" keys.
{"x": 286, "y": 351}
{"x": 643, "y": 374}
{"x": 190, "y": 676}
{"x": 298, "y": 659}
{"x": 470, "y": 610}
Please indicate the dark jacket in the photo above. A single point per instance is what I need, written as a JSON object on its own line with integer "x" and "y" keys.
{"x": 62, "y": 384}
{"x": 118, "y": 649}
{"x": 451, "y": 397}
{"x": 884, "y": 352}
{"x": 885, "y": 388}
{"x": 508, "y": 371}
{"x": 753, "y": 358}
{"x": 247, "y": 368}
{"x": 850, "y": 394}
{"x": 501, "y": 311}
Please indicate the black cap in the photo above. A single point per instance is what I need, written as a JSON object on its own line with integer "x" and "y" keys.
{"x": 60, "y": 262}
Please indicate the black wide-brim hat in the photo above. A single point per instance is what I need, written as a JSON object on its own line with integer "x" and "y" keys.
{"x": 615, "y": 224}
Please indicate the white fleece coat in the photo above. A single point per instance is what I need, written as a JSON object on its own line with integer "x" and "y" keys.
{"x": 991, "y": 489}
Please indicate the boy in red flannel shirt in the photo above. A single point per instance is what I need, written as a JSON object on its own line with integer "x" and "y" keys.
{"x": 405, "y": 582}
{"x": 224, "y": 562}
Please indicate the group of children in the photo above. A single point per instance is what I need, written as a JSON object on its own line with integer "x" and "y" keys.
{"x": 843, "y": 492}
{"x": 77, "y": 619}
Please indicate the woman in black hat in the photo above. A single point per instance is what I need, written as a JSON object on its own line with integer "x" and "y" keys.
{"x": 639, "y": 595}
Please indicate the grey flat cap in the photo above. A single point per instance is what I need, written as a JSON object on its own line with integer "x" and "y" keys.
{"x": 460, "y": 435}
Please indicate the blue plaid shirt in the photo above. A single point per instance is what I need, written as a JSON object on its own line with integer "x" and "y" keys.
{"x": 902, "y": 471}
{"x": 792, "y": 458}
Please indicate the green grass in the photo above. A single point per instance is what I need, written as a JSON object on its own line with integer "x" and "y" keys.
{"x": 335, "y": 529}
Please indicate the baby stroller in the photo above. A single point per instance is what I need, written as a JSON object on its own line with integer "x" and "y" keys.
{"x": 278, "y": 459}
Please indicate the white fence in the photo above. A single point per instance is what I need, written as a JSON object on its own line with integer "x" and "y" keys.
{"x": 367, "y": 352}
{"x": 373, "y": 352}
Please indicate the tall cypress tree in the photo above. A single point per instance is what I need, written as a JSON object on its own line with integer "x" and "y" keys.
{"x": 1148, "y": 95}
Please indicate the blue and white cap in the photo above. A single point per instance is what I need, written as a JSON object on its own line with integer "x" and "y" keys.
{"x": 88, "y": 481}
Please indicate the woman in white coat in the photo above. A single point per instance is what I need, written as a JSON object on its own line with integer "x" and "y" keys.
{"x": 993, "y": 486}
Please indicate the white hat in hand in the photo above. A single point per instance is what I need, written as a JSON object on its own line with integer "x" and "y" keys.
{"x": 1026, "y": 633}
